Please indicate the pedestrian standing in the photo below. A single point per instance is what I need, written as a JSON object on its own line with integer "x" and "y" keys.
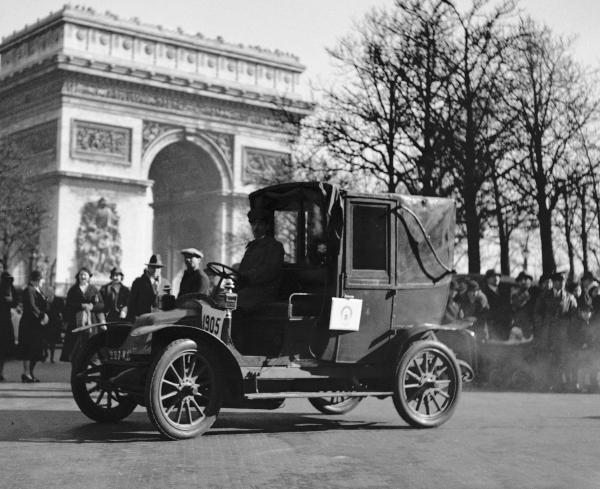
{"x": 144, "y": 290}
{"x": 585, "y": 297}
{"x": 555, "y": 313}
{"x": 83, "y": 307}
{"x": 475, "y": 306}
{"x": 499, "y": 316}
{"x": 31, "y": 327}
{"x": 115, "y": 297}
{"x": 8, "y": 300}
{"x": 522, "y": 304}
{"x": 194, "y": 280}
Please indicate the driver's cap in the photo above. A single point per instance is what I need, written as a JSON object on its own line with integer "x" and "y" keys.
{"x": 192, "y": 252}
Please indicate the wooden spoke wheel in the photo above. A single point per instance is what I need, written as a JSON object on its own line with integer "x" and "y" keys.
{"x": 427, "y": 384}
{"x": 184, "y": 390}
{"x": 97, "y": 397}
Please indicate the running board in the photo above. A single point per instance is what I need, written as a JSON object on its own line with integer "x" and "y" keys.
{"x": 284, "y": 395}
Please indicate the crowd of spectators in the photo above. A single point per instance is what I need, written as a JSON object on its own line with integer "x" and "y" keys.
{"x": 561, "y": 320}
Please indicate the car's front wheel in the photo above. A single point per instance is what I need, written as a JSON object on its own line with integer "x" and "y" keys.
{"x": 95, "y": 394}
{"x": 427, "y": 384}
{"x": 184, "y": 389}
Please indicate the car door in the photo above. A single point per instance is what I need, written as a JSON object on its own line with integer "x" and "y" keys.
{"x": 369, "y": 275}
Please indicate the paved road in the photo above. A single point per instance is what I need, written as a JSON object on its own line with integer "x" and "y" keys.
{"x": 494, "y": 440}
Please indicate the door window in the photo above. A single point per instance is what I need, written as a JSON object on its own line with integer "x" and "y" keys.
{"x": 369, "y": 254}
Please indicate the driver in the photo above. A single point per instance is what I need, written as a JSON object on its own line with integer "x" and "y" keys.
{"x": 262, "y": 264}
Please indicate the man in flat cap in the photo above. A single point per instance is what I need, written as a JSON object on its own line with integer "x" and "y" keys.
{"x": 144, "y": 290}
{"x": 115, "y": 296}
{"x": 194, "y": 279}
{"x": 262, "y": 264}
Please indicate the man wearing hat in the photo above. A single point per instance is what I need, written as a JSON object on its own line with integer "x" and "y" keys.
{"x": 499, "y": 302}
{"x": 144, "y": 290}
{"x": 115, "y": 296}
{"x": 194, "y": 279}
{"x": 262, "y": 263}
{"x": 522, "y": 304}
{"x": 587, "y": 280}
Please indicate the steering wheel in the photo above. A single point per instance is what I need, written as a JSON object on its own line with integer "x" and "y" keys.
{"x": 224, "y": 272}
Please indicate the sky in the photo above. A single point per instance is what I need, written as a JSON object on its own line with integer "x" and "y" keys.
{"x": 302, "y": 27}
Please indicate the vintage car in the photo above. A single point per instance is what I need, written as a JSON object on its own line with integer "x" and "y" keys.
{"x": 364, "y": 285}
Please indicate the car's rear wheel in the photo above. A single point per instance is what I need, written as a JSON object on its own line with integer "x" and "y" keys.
{"x": 184, "y": 389}
{"x": 335, "y": 405}
{"x": 427, "y": 384}
{"x": 97, "y": 397}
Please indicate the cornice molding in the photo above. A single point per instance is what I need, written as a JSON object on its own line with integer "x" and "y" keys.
{"x": 110, "y": 22}
{"x": 149, "y": 77}
{"x": 61, "y": 175}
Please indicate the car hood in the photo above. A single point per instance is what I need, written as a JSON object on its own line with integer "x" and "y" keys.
{"x": 167, "y": 317}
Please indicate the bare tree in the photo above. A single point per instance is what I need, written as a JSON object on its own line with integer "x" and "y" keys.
{"x": 21, "y": 214}
{"x": 553, "y": 100}
{"x": 386, "y": 119}
{"x": 480, "y": 122}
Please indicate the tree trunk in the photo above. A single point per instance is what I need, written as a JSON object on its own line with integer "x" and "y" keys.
{"x": 570, "y": 250}
{"x": 545, "y": 222}
{"x": 473, "y": 230}
{"x": 502, "y": 234}
{"x": 584, "y": 233}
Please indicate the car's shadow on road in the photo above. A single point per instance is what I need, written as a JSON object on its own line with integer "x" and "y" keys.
{"x": 41, "y": 426}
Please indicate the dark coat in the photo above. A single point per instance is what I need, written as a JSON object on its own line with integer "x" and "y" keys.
{"x": 499, "y": 315}
{"x": 31, "y": 331}
{"x": 143, "y": 297}
{"x": 554, "y": 313}
{"x": 523, "y": 308}
{"x": 8, "y": 300}
{"x": 114, "y": 302}
{"x": 261, "y": 270}
{"x": 74, "y": 304}
{"x": 194, "y": 281}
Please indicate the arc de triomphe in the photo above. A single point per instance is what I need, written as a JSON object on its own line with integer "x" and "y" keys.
{"x": 142, "y": 139}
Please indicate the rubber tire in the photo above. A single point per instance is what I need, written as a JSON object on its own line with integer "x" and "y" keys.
{"x": 400, "y": 402}
{"x": 81, "y": 394}
{"x": 153, "y": 389}
{"x": 324, "y": 404}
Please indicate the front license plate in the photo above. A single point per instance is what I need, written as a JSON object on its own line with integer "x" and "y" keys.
{"x": 212, "y": 320}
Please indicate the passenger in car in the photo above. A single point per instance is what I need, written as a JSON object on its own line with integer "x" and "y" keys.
{"x": 262, "y": 264}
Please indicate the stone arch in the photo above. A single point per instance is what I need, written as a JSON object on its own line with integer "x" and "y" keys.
{"x": 191, "y": 183}
{"x": 224, "y": 166}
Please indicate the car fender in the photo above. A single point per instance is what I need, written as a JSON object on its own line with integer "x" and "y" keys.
{"x": 407, "y": 336}
{"x": 103, "y": 326}
{"x": 164, "y": 334}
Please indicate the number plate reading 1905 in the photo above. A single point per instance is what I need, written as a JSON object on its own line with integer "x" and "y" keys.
{"x": 212, "y": 320}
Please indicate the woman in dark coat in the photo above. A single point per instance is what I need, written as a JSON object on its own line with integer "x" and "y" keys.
{"x": 84, "y": 306}
{"x": 31, "y": 327}
{"x": 8, "y": 300}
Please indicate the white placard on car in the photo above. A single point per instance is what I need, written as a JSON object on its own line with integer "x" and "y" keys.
{"x": 345, "y": 314}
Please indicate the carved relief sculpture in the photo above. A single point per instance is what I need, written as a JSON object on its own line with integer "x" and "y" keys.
{"x": 153, "y": 130}
{"x": 98, "y": 237}
{"x": 261, "y": 166}
{"x": 101, "y": 141}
